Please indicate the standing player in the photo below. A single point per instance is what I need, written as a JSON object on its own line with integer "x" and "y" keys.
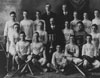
{"x": 38, "y": 19}
{"x": 73, "y": 23}
{"x": 27, "y": 26}
{"x": 67, "y": 32}
{"x": 43, "y": 37}
{"x": 87, "y": 23}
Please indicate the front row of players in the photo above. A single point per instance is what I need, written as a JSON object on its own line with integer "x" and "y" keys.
{"x": 36, "y": 53}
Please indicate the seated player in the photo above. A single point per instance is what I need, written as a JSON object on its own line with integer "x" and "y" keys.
{"x": 72, "y": 51}
{"x": 67, "y": 32}
{"x": 88, "y": 54}
{"x": 87, "y": 23}
{"x": 37, "y": 51}
{"x": 22, "y": 49}
{"x": 58, "y": 60}
{"x": 95, "y": 38}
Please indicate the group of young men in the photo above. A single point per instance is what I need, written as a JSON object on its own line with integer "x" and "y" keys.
{"x": 54, "y": 41}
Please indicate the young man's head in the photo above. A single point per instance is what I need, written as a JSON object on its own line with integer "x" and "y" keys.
{"x": 48, "y": 7}
{"x": 67, "y": 25}
{"x": 38, "y": 14}
{"x": 13, "y": 15}
{"x": 52, "y": 21}
{"x": 80, "y": 26}
{"x": 41, "y": 25}
{"x": 94, "y": 28}
{"x": 64, "y": 7}
{"x": 75, "y": 14}
{"x": 72, "y": 38}
{"x": 36, "y": 37}
{"x": 58, "y": 48}
{"x": 85, "y": 15}
{"x": 22, "y": 36}
{"x": 16, "y": 27}
{"x": 25, "y": 14}
{"x": 88, "y": 38}
{"x": 96, "y": 13}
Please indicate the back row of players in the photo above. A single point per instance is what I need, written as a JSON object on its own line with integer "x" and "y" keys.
{"x": 49, "y": 33}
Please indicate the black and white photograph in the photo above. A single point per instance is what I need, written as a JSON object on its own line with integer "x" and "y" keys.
{"x": 49, "y": 38}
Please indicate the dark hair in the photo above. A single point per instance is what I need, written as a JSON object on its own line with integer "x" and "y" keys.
{"x": 37, "y": 33}
{"x": 16, "y": 24}
{"x": 38, "y": 11}
{"x": 97, "y": 10}
{"x": 95, "y": 25}
{"x": 82, "y": 28}
{"x": 25, "y": 11}
{"x": 22, "y": 32}
{"x": 13, "y": 12}
{"x": 68, "y": 26}
{"x": 48, "y": 4}
{"x": 42, "y": 27}
{"x": 72, "y": 36}
{"x": 89, "y": 36}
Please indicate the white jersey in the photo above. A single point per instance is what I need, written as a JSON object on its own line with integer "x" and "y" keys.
{"x": 9, "y": 28}
{"x": 42, "y": 36}
{"x": 87, "y": 24}
{"x": 22, "y": 47}
{"x": 71, "y": 50}
{"x": 36, "y": 24}
{"x": 97, "y": 21}
{"x": 74, "y": 24}
{"x": 36, "y": 48}
{"x": 67, "y": 33}
{"x": 27, "y": 27}
{"x": 89, "y": 50}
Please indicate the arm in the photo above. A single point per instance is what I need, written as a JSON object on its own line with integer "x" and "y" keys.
{"x": 66, "y": 51}
{"x": 5, "y": 32}
{"x": 53, "y": 59}
{"x": 18, "y": 50}
{"x": 83, "y": 50}
{"x": 77, "y": 52}
{"x": 46, "y": 38}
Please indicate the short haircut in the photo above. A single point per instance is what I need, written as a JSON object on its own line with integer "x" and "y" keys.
{"x": 72, "y": 36}
{"x": 25, "y": 11}
{"x": 38, "y": 11}
{"x": 97, "y": 10}
{"x": 13, "y": 12}
{"x": 89, "y": 36}
{"x": 80, "y": 22}
{"x": 22, "y": 32}
{"x": 48, "y": 4}
{"x": 16, "y": 24}
{"x": 95, "y": 25}
{"x": 37, "y": 33}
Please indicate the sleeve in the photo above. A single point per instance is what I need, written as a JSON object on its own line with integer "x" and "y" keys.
{"x": 6, "y": 29}
{"x": 29, "y": 50}
{"x": 77, "y": 52}
{"x": 21, "y": 27}
{"x": 83, "y": 50}
{"x": 46, "y": 38}
{"x": 66, "y": 51}
{"x": 17, "y": 49}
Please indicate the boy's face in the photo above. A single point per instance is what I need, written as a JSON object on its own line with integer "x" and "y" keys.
{"x": 37, "y": 14}
{"x": 85, "y": 15}
{"x": 35, "y": 36}
{"x": 25, "y": 14}
{"x": 58, "y": 48}
{"x": 96, "y": 13}
{"x": 88, "y": 38}
{"x": 16, "y": 27}
{"x": 47, "y": 8}
{"x": 79, "y": 26}
{"x": 93, "y": 28}
{"x": 22, "y": 36}
{"x": 13, "y": 16}
{"x": 72, "y": 39}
